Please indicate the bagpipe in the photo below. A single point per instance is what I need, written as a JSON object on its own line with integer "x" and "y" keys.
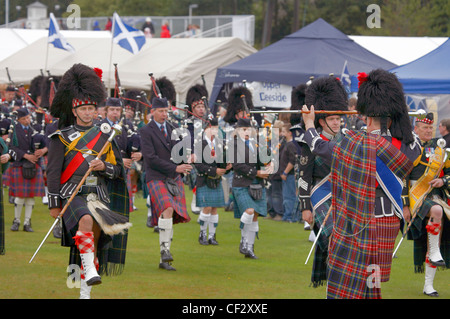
{"x": 421, "y": 188}
{"x": 118, "y": 93}
{"x": 40, "y": 117}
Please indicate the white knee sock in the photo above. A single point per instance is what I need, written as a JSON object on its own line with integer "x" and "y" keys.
{"x": 18, "y": 205}
{"x": 246, "y": 221}
{"x": 203, "y": 220}
{"x": 212, "y": 225}
{"x": 165, "y": 226}
{"x": 29, "y": 204}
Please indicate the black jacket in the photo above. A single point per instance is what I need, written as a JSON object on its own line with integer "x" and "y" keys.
{"x": 246, "y": 164}
{"x": 157, "y": 152}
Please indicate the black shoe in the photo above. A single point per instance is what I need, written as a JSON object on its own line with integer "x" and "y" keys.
{"x": 202, "y": 238}
{"x": 250, "y": 253}
{"x": 166, "y": 256}
{"x": 438, "y": 263}
{"x": 213, "y": 241}
{"x": 15, "y": 225}
{"x": 431, "y": 294}
{"x": 166, "y": 266}
{"x": 27, "y": 228}
{"x": 97, "y": 280}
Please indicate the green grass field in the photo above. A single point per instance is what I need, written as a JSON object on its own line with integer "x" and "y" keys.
{"x": 203, "y": 272}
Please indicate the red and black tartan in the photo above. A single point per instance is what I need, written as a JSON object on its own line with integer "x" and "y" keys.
{"x": 25, "y": 188}
{"x": 161, "y": 199}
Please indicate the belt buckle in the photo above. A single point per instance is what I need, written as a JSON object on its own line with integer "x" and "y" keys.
{"x": 91, "y": 181}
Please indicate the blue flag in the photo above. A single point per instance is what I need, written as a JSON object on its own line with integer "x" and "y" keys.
{"x": 55, "y": 37}
{"x": 345, "y": 78}
{"x": 126, "y": 36}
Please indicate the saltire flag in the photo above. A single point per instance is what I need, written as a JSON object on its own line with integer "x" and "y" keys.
{"x": 345, "y": 78}
{"x": 126, "y": 36}
{"x": 55, "y": 37}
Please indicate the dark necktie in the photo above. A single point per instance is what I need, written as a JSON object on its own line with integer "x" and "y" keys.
{"x": 213, "y": 150}
{"x": 163, "y": 131}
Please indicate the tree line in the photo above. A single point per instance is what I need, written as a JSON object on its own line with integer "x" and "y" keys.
{"x": 275, "y": 19}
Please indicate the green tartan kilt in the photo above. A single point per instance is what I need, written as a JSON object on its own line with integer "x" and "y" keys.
{"x": 110, "y": 249}
{"x": 208, "y": 197}
{"x": 319, "y": 269}
{"x": 243, "y": 201}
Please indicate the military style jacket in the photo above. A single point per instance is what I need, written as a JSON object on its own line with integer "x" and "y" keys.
{"x": 70, "y": 151}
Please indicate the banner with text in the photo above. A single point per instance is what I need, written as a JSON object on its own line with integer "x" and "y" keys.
{"x": 270, "y": 95}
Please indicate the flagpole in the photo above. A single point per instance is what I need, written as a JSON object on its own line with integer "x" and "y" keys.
{"x": 46, "y": 52}
{"x": 343, "y": 69}
{"x": 111, "y": 53}
{"x": 46, "y": 57}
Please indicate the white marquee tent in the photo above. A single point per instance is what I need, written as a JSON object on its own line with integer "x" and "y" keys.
{"x": 14, "y": 40}
{"x": 183, "y": 61}
{"x": 24, "y": 51}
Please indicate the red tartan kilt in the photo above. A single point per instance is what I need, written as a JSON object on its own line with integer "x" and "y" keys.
{"x": 25, "y": 188}
{"x": 387, "y": 231}
{"x": 161, "y": 199}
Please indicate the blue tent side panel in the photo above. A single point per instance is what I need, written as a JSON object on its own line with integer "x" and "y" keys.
{"x": 317, "y": 49}
{"x": 429, "y": 74}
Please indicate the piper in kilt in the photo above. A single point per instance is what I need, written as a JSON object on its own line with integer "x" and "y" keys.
{"x": 209, "y": 182}
{"x": 195, "y": 123}
{"x": 367, "y": 173}
{"x": 430, "y": 228}
{"x": 168, "y": 91}
{"x": 163, "y": 176}
{"x": 314, "y": 185}
{"x": 26, "y": 180}
{"x": 95, "y": 223}
{"x": 249, "y": 193}
{"x": 128, "y": 141}
{"x": 4, "y": 161}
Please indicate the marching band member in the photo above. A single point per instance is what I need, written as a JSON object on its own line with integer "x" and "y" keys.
{"x": 367, "y": 173}
{"x": 163, "y": 177}
{"x": 235, "y": 110}
{"x": 249, "y": 193}
{"x": 314, "y": 185}
{"x": 430, "y": 227}
{"x": 26, "y": 179}
{"x": 4, "y": 163}
{"x": 209, "y": 182}
{"x": 95, "y": 223}
{"x": 128, "y": 141}
{"x": 196, "y": 123}
{"x": 168, "y": 91}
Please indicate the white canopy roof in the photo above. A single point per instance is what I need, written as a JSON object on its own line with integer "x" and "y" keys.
{"x": 14, "y": 40}
{"x": 183, "y": 61}
{"x": 399, "y": 50}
